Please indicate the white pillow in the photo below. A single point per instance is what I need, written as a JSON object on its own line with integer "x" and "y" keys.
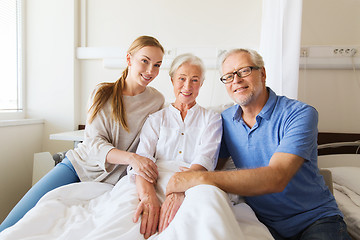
{"x": 347, "y": 176}
{"x": 220, "y": 108}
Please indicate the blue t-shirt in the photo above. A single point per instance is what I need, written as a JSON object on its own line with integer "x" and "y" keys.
{"x": 288, "y": 126}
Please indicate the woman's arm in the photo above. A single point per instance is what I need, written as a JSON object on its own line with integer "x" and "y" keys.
{"x": 100, "y": 147}
{"x": 149, "y": 207}
{"x": 142, "y": 165}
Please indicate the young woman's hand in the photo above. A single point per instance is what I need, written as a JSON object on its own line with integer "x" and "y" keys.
{"x": 144, "y": 167}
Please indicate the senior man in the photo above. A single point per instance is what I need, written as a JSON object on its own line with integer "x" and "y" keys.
{"x": 273, "y": 143}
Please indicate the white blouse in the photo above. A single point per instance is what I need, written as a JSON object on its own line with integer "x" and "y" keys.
{"x": 196, "y": 140}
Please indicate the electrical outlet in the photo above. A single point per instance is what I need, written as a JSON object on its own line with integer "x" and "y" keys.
{"x": 330, "y": 51}
{"x": 344, "y": 51}
{"x": 304, "y": 52}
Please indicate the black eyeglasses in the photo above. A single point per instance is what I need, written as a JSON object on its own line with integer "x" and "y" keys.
{"x": 242, "y": 72}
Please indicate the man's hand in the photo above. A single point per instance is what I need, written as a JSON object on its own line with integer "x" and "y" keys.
{"x": 169, "y": 209}
{"x": 182, "y": 181}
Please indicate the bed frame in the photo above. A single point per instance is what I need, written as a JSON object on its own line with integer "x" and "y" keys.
{"x": 334, "y": 144}
{"x": 325, "y": 138}
{"x": 345, "y": 151}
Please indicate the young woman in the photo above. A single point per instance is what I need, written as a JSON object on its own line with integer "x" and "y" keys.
{"x": 115, "y": 119}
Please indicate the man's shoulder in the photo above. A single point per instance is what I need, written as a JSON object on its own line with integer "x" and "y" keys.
{"x": 291, "y": 111}
{"x": 293, "y": 105}
{"x": 229, "y": 112}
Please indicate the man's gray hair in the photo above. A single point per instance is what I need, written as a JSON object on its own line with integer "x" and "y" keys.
{"x": 256, "y": 58}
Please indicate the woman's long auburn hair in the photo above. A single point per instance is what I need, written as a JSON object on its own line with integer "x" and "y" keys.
{"x": 115, "y": 89}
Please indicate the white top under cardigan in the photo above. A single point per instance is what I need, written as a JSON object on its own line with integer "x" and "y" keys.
{"x": 104, "y": 134}
{"x": 196, "y": 140}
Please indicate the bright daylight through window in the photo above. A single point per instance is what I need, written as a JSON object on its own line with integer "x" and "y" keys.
{"x": 10, "y": 60}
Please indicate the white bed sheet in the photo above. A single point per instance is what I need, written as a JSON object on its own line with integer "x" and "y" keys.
{"x": 351, "y": 213}
{"x": 101, "y": 211}
{"x": 347, "y": 194}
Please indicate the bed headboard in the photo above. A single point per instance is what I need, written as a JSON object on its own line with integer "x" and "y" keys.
{"x": 328, "y": 137}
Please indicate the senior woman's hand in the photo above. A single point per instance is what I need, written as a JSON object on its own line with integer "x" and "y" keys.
{"x": 169, "y": 209}
{"x": 148, "y": 207}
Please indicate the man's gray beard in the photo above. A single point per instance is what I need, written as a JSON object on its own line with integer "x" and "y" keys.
{"x": 245, "y": 101}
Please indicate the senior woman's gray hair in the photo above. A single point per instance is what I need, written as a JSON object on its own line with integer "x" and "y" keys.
{"x": 187, "y": 58}
{"x": 256, "y": 58}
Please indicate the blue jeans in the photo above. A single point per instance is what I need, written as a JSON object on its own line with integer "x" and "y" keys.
{"x": 328, "y": 228}
{"x": 62, "y": 174}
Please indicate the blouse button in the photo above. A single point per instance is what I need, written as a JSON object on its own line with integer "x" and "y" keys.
{"x": 180, "y": 152}
{"x": 182, "y": 133}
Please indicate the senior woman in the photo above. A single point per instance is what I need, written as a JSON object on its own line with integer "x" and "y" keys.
{"x": 182, "y": 132}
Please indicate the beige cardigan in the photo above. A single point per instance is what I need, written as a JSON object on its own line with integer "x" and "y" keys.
{"x": 104, "y": 134}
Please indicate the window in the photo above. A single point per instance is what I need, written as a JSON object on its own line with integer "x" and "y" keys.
{"x": 11, "y": 58}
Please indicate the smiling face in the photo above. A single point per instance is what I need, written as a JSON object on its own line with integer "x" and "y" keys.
{"x": 247, "y": 90}
{"x": 144, "y": 65}
{"x": 187, "y": 81}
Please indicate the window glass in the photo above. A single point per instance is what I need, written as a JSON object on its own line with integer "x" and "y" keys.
{"x": 10, "y": 59}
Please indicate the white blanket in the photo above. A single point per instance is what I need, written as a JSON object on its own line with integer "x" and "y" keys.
{"x": 350, "y": 210}
{"x": 347, "y": 195}
{"x": 100, "y": 211}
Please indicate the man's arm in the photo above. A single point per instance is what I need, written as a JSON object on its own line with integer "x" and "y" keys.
{"x": 245, "y": 182}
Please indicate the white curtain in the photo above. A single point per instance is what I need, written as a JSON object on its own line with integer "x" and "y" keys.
{"x": 280, "y": 44}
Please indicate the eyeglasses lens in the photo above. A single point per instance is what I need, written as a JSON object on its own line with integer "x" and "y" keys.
{"x": 243, "y": 72}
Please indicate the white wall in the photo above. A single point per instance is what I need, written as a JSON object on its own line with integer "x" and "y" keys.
{"x": 17, "y": 148}
{"x": 51, "y": 76}
{"x": 334, "y": 93}
{"x": 177, "y": 25}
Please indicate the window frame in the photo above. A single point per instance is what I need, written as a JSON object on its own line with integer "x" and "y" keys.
{"x": 20, "y": 112}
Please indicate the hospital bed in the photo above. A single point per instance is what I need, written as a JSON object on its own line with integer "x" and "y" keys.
{"x": 93, "y": 210}
{"x": 339, "y": 153}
